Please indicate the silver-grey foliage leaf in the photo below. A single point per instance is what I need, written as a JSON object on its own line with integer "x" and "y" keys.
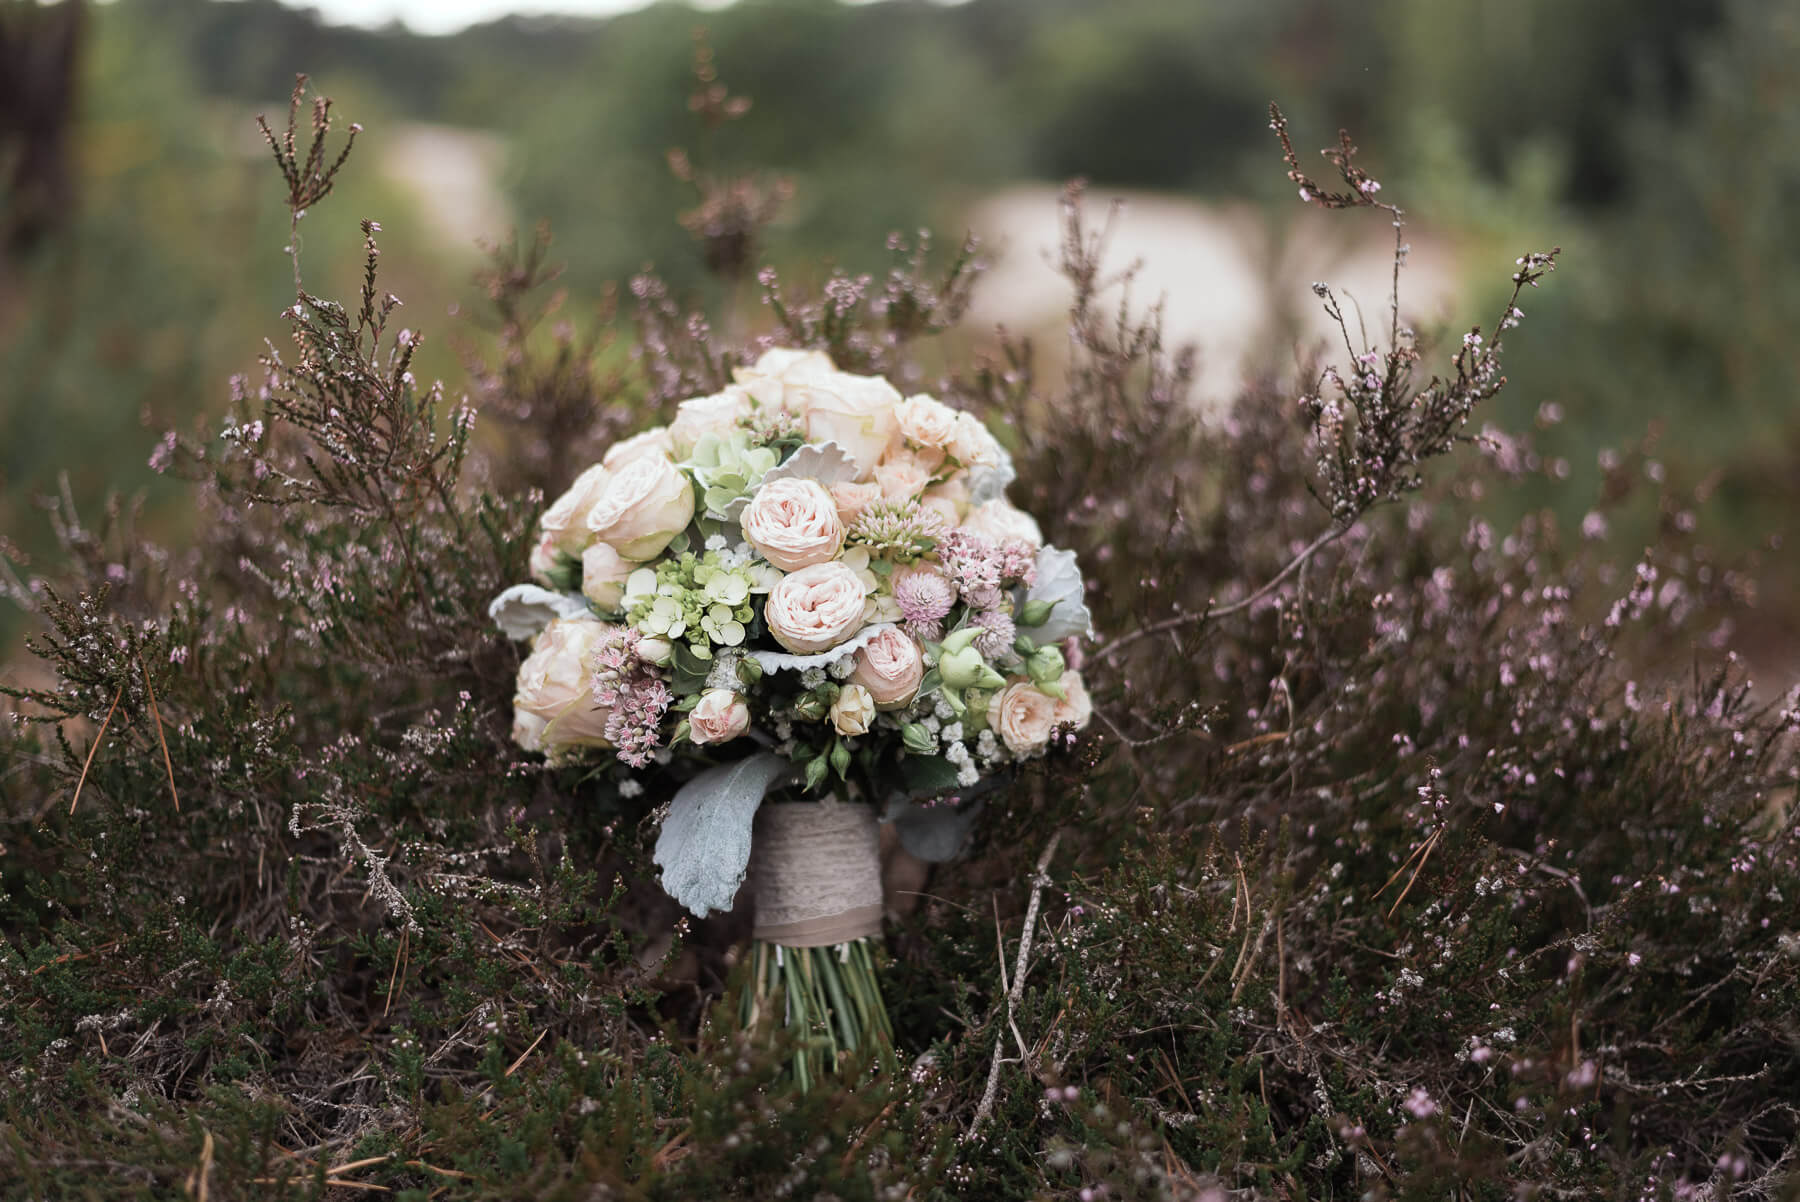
{"x": 1059, "y": 581}
{"x": 704, "y": 847}
{"x": 780, "y": 661}
{"x": 826, "y": 462}
{"x": 524, "y": 609}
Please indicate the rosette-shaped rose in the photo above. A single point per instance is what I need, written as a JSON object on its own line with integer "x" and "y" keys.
{"x": 1003, "y": 522}
{"x": 890, "y": 666}
{"x": 852, "y": 498}
{"x": 603, "y": 575}
{"x": 1023, "y": 717}
{"x": 793, "y": 524}
{"x": 971, "y": 444}
{"x": 656, "y": 441}
{"x": 926, "y": 421}
{"x": 950, "y": 500}
{"x": 643, "y": 506}
{"x": 816, "y": 608}
{"x": 716, "y": 414}
{"x": 553, "y": 702}
{"x": 775, "y": 378}
{"x": 719, "y": 717}
{"x": 565, "y": 522}
{"x": 901, "y": 478}
{"x": 853, "y": 710}
{"x": 856, "y": 412}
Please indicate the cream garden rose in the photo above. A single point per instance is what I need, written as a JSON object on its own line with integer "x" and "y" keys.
{"x": 925, "y": 421}
{"x": 1002, "y": 521}
{"x": 603, "y": 575}
{"x": 720, "y": 716}
{"x": 901, "y": 479}
{"x": 716, "y": 414}
{"x": 856, "y": 412}
{"x": 853, "y": 710}
{"x": 553, "y": 704}
{"x": 971, "y": 444}
{"x": 656, "y": 441}
{"x": 643, "y": 506}
{"x": 565, "y": 522}
{"x": 816, "y": 608}
{"x": 793, "y": 523}
{"x": 775, "y": 379}
{"x": 852, "y": 498}
{"x": 1023, "y": 717}
{"x": 890, "y": 666}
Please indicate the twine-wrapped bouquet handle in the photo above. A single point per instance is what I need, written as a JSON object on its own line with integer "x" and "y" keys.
{"x": 815, "y": 873}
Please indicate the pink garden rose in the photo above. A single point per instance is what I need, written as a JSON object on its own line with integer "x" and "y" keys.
{"x": 553, "y": 705}
{"x": 720, "y": 716}
{"x": 793, "y": 523}
{"x": 1023, "y": 717}
{"x": 816, "y": 608}
{"x": 852, "y": 498}
{"x": 890, "y": 666}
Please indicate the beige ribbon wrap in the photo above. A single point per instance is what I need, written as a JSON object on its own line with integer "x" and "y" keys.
{"x": 815, "y": 872}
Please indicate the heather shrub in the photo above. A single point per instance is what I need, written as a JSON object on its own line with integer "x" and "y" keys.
{"x": 1406, "y": 857}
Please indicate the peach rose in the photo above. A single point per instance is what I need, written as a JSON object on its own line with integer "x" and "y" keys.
{"x": 773, "y": 380}
{"x": 553, "y": 702}
{"x": 856, "y": 412}
{"x": 852, "y": 498}
{"x": 654, "y": 441}
{"x": 890, "y": 666}
{"x": 565, "y": 522}
{"x": 644, "y": 505}
{"x": 1076, "y": 707}
{"x": 816, "y": 608}
{"x": 719, "y": 717}
{"x": 1002, "y": 521}
{"x": 716, "y": 414}
{"x": 901, "y": 480}
{"x": 853, "y": 710}
{"x": 793, "y": 523}
{"x": 925, "y": 421}
{"x": 603, "y": 575}
{"x": 1023, "y": 717}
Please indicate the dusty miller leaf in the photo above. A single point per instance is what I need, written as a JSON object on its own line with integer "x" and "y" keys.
{"x": 704, "y": 847}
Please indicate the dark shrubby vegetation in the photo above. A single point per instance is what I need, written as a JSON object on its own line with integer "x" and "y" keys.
{"x": 1408, "y": 857}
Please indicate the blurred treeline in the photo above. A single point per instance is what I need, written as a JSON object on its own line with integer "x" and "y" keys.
{"x": 1657, "y": 140}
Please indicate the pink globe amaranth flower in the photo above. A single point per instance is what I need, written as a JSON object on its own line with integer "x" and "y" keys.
{"x": 923, "y": 594}
{"x": 997, "y": 634}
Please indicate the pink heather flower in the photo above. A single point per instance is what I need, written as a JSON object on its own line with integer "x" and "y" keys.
{"x": 923, "y": 595}
{"x": 972, "y": 561}
{"x": 635, "y": 724}
{"x": 999, "y": 632}
{"x": 1419, "y": 1104}
{"x": 1018, "y": 562}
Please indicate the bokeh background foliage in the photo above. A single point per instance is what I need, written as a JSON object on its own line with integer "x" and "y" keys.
{"x": 1461, "y": 867}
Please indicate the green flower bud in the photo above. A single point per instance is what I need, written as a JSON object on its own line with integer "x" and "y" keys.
{"x": 1034, "y": 613}
{"x": 917, "y": 739}
{"x": 1044, "y": 666}
{"x": 749, "y": 672}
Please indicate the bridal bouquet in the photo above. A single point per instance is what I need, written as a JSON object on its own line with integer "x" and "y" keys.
{"x": 816, "y": 589}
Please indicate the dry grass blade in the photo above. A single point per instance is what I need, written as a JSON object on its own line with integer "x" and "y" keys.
{"x": 1424, "y": 854}
{"x": 161, "y": 739}
{"x": 98, "y": 739}
{"x": 514, "y": 1066}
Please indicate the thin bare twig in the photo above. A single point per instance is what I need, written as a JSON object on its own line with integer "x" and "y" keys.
{"x": 1017, "y": 991}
